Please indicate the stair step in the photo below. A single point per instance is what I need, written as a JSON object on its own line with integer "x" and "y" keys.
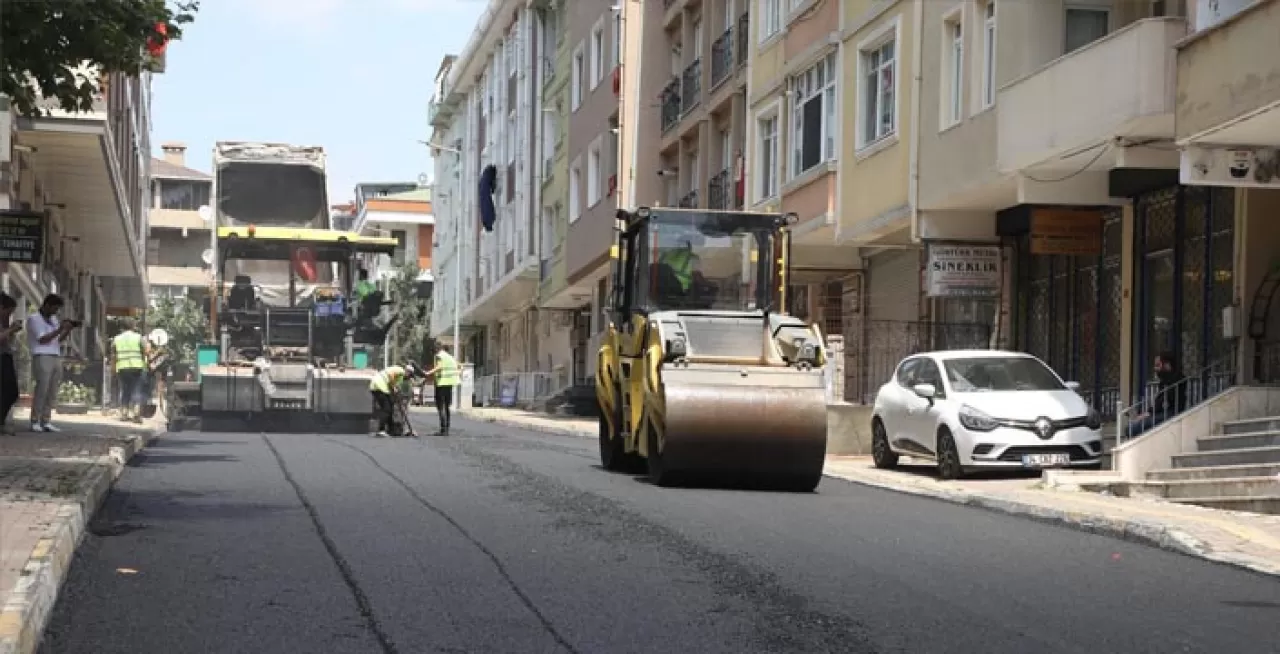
{"x": 1239, "y": 440}
{"x": 1215, "y": 472}
{"x": 1251, "y": 425}
{"x": 1220, "y": 487}
{"x": 1268, "y": 504}
{"x": 1252, "y": 455}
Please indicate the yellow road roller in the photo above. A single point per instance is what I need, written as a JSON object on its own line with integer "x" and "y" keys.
{"x": 703, "y": 378}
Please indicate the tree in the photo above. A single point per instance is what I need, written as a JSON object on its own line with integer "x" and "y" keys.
{"x": 185, "y": 321}
{"x": 51, "y": 48}
{"x": 411, "y": 335}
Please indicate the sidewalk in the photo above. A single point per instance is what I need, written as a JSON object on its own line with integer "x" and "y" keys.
{"x": 1246, "y": 540}
{"x": 50, "y": 486}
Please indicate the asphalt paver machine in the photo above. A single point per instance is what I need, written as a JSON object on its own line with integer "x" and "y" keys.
{"x": 703, "y": 377}
{"x": 291, "y": 357}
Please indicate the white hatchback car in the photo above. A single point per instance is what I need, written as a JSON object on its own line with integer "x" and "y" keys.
{"x": 983, "y": 409}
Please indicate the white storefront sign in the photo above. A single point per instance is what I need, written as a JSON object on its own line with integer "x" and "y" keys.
{"x": 1245, "y": 167}
{"x": 963, "y": 271}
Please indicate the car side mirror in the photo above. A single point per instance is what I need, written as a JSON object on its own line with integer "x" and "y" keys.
{"x": 1073, "y": 385}
{"x": 926, "y": 391}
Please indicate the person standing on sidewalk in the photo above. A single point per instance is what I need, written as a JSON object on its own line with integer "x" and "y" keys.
{"x": 446, "y": 377}
{"x": 128, "y": 358}
{"x": 45, "y": 335}
{"x": 8, "y": 368}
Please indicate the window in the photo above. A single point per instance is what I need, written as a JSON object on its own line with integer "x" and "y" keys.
{"x": 597, "y": 55}
{"x": 698, "y": 44}
{"x": 726, "y": 148}
{"x": 398, "y": 255}
{"x": 953, "y": 63}
{"x": 989, "y": 54}
{"x": 616, "y": 39}
{"x": 593, "y": 173}
{"x": 579, "y": 77}
{"x": 770, "y": 18}
{"x": 813, "y": 106}
{"x": 575, "y": 191}
{"x": 691, "y": 162}
{"x": 766, "y": 159}
{"x": 1084, "y": 25}
{"x": 183, "y": 195}
{"x": 879, "y": 101}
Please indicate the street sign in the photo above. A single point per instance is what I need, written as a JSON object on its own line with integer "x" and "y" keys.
{"x": 21, "y": 236}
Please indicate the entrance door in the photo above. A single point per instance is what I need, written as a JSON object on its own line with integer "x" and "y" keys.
{"x": 1158, "y": 309}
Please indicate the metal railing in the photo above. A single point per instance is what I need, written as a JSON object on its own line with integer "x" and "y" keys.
{"x": 671, "y": 104}
{"x": 722, "y": 58}
{"x": 691, "y": 86}
{"x": 1160, "y": 405}
{"x": 690, "y": 200}
{"x": 885, "y": 343}
{"x": 720, "y": 191}
{"x": 520, "y": 389}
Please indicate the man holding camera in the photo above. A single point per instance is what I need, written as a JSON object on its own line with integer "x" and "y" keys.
{"x": 45, "y": 336}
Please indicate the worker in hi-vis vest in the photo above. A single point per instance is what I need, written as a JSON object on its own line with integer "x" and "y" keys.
{"x": 446, "y": 376}
{"x": 682, "y": 261}
{"x": 385, "y": 388}
{"x": 128, "y": 359}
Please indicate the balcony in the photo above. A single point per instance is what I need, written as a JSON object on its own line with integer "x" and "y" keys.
{"x": 1228, "y": 81}
{"x": 722, "y": 58}
{"x": 744, "y": 38}
{"x": 691, "y": 87}
{"x": 690, "y": 200}
{"x": 671, "y": 104}
{"x": 720, "y": 191}
{"x": 1119, "y": 85}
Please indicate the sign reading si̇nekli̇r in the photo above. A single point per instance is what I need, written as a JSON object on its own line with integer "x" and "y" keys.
{"x": 21, "y": 236}
{"x": 963, "y": 271}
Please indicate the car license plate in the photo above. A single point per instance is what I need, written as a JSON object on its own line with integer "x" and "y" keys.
{"x": 1046, "y": 459}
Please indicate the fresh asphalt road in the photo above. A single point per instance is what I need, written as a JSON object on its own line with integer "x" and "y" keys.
{"x": 500, "y": 540}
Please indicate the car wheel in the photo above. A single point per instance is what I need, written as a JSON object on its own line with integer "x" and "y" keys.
{"x": 880, "y": 452}
{"x": 948, "y": 457}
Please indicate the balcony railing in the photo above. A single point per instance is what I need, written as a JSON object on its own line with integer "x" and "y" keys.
{"x": 722, "y": 58}
{"x": 690, "y": 200}
{"x": 671, "y": 104}
{"x": 744, "y": 37}
{"x": 720, "y": 191}
{"x": 691, "y": 89}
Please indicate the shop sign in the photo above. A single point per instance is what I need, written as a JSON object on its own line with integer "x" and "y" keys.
{"x": 963, "y": 271}
{"x": 1066, "y": 231}
{"x": 21, "y": 236}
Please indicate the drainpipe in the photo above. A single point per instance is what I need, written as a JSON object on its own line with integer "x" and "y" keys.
{"x": 917, "y": 56}
{"x": 628, "y": 95}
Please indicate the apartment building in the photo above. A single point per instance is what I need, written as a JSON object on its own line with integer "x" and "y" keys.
{"x": 179, "y": 259}
{"x": 485, "y": 116}
{"x": 84, "y": 178}
{"x": 402, "y": 211}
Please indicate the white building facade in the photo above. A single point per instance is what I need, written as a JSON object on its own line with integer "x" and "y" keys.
{"x": 486, "y": 112}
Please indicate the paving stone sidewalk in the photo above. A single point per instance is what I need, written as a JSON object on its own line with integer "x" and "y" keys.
{"x": 50, "y": 486}
{"x": 1246, "y": 540}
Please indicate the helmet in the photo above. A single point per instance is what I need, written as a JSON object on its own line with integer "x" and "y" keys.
{"x": 411, "y": 369}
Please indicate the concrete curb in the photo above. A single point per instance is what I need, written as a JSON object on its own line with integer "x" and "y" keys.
{"x": 1128, "y": 529}
{"x": 27, "y": 609}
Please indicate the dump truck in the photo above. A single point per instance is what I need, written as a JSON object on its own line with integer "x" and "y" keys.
{"x": 288, "y": 349}
{"x": 703, "y": 377}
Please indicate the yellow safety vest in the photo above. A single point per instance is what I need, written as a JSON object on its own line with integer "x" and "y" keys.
{"x": 447, "y": 375}
{"x": 387, "y": 379}
{"x": 128, "y": 351}
{"x": 681, "y": 262}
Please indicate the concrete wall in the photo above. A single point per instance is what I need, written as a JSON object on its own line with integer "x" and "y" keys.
{"x": 848, "y": 429}
{"x": 1229, "y": 71}
{"x": 170, "y": 248}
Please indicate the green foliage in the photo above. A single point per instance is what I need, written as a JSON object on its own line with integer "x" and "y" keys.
{"x": 186, "y": 323}
{"x": 410, "y": 336}
{"x": 72, "y": 393}
{"x": 44, "y": 44}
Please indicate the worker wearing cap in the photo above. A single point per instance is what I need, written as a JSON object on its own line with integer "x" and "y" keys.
{"x": 384, "y": 387}
{"x": 446, "y": 377}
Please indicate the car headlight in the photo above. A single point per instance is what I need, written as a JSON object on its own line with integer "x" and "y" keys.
{"x": 975, "y": 420}
{"x": 1093, "y": 420}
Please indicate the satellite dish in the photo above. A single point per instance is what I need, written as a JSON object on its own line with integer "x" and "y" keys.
{"x": 206, "y": 213}
{"x": 207, "y": 256}
{"x": 424, "y": 179}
